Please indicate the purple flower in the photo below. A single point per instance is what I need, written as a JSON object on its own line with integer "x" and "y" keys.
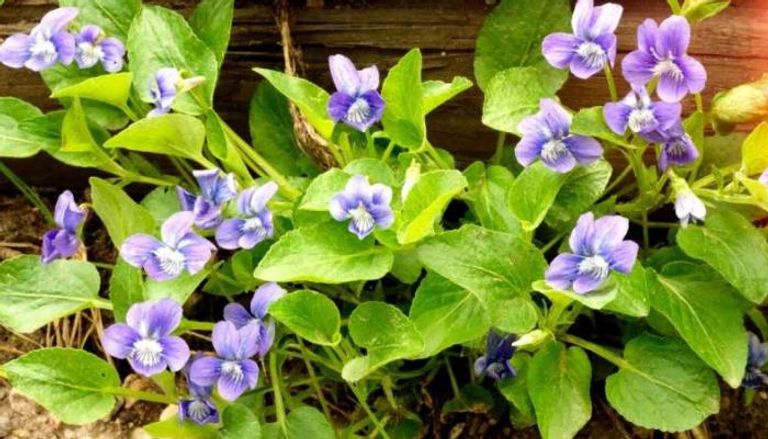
{"x": 598, "y": 248}
{"x": 145, "y": 339}
{"x": 163, "y": 89}
{"x": 677, "y": 149}
{"x": 662, "y": 53}
{"x": 356, "y": 101}
{"x": 262, "y": 298}
{"x": 93, "y": 48}
{"x": 231, "y": 370}
{"x": 495, "y": 363}
{"x": 198, "y": 408}
{"x": 757, "y": 356}
{"x": 47, "y": 44}
{"x": 181, "y": 249}
{"x": 592, "y": 44}
{"x": 764, "y": 178}
{"x": 642, "y": 116}
{"x": 256, "y": 223}
{"x": 689, "y": 208}
{"x": 63, "y": 241}
{"x": 365, "y": 205}
{"x": 546, "y": 136}
{"x": 215, "y": 190}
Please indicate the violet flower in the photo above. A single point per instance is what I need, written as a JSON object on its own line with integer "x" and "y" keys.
{"x": 598, "y": 248}
{"x": 180, "y": 249}
{"x": 364, "y": 205}
{"x": 764, "y": 178}
{"x": 356, "y": 101}
{"x": 495, "y": 363}
{"x": 215, "y": 190}
{"x": 256, "y": 223}
{"x": 642, "y": 116}
{"x": 662, "y": 53}
{"x": 145, "y": 339}
{"x": 198, "y": 408}
{"x": 92, "y": 47}
{"x": 677, "y": 149}
{"x": 163, "y": 89}
{"x": 546, "y": 137}
{"x": 63, "y": 241}
{"x": 231, "y": 370}
{"x": 47, "y": 43}
{"x": 262, "y": 298}
{"x": 757, "y": 356}
{"x": 592, "y": 44}
{"x": 689, "y": 208}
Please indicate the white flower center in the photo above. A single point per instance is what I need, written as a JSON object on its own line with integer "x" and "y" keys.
{"x": 552, "y": 150}
{"x": 198, "y": 410}
{"x": 359, "y": 111}
{"x": 253, "y": 225}
{"x": 594, "y": 266}
{"x": 171, "y": 260}
{"x": 668, "y": 67}
{"x": 641, "y": 119}
{"x": 147, "y": 351}
{"x": 362, "y": 219}
{"x": 44, "y": 49}
{"x": 89, "y": 53}
{"x": 592, "y": 54}
{"x": 233, "y": 370}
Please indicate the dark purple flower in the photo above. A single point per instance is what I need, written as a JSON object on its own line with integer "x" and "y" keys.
{"x": 198, "y": 408}
{"x": 145, "y": 339}
{"x": 163, "y": 89}
{"x": 495, "y": 363}
{"x": 181, "y": 249}
{"x": 764, "y": 178}
{"x": 598, "y": 248}
{"x": 63, "y": 242}
{"x": 546, "y": 136}
{"x": 215, "y": 190}
{"x": 92, "y": 48}
{"x": 592, "y": 44}
{"x": 262, "y": 298}
{"x": 47, "y": 44}
{"x": 256, "y": 223}
{"x": 642, "y": 116}
{"x": 364, "y": 205}
{"x": 356, "y": 101}
{"x": 757, "y": 356}
{"x": 662, "y": 53}
{"x": 232, "y": 370}
{"x": 677, "y": 149}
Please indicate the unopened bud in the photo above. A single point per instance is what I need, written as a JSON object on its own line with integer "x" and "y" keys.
{"x": 412, "y": 175}
{"x": 745, "y": 103}
{"x": 531, "y": 339}
{"x": 188, "y": 84}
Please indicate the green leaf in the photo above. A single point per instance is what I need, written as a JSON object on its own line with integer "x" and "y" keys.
{"x": 160, "y": 37}
{"x": 161, "y": 203}
{"x": 126, "y": 287}
{"x": 310, "y": 315}
{"x": 385, "y": 333}
{"x": 15, "y": 142}
{"x": 632, "y": 289}
{"x": 172, "y": 134}
{"x": 699, "y": 10}
{"x": 308, "y": 97}
{"x": 754, "y": 151}
{"x": 114, "y": 89}
{"x": 113, "y": 16}
{"x": 596, "y": 299}
{"x": 74, "y": 385}
{"x": 533, "y": 194}
{"x": 374, "y": 169}
{"x": 32, "y": 294}
{"x": 662, "y": 385}
{"x": 17, "y": 109}
{"x": 221, "y": 147}
{"x": 239, "y": 422}
{"x": 558, "y": 383}
{"x": 487, "y": 197}
{"x": 436, "y": 93}
{"x": 511, "y": 37}
{"x": 404, "y": 113}
{"x": 173, "y": 428}
{"x": 515, "y": 390}
{"x": 324, "y": 253}
{"x": 307, "y": 422}
{"x": 582, "y": 188}
{"x": 733, "y": 247}
{"x": 707, "y": 313}
{"x": 178, "y": 289}
{"x": 591, "y": 122}
{"x": 121, "y": 215}
{"x": 318, "y": 195}
{"x": 212, "y": 22}
{"x": 75, "y": 135}
{"x": 426, "y": 202}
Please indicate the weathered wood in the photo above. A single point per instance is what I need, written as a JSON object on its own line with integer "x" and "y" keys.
{"x": 732, "y": 47}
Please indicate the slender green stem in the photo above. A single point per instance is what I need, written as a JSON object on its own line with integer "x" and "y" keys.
{"x": 596, "y": 349}
{"x": 646, "y": 234}
{"x": 500, "y": 141}
{"x": 559, "y": 304}
{"x": 388, "y": 151}
{"x": 548, "y": 246}
{"x": 28, "y": 192}
{"x": 128, "y": 112}
{"x": 313, "y": 380}
{"x": 136, "y": 178}
{"x": 101, "y": 303}
{"x": 675, "y": 6}
{"x": 659, "y": 225}
{"x": 103, "y": 265}
{"x": 364, "y": 404}
{"x": 710, "y": 178}
{"x": 139, "y": 394}
{"x": 195, "y": 325}
{"x": 183, "y": 169}
{"x": 619, "y": 179}
{"x": 757, "y": 317}
{"x": 274, "y": 375}
{"x": 699, "y": 102}
{"x": 432, "y": 152}
{"x": 452, "y": 378}
{"x": 611, "y": 83}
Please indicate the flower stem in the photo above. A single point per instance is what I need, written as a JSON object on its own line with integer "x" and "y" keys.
{"x": 611, "y": 83}
{"x": 313, "y": 380}
{"x": 699, "y": 103}
{"x": 432, "y": 152}
{"x": 675, "y": 6}
{"x": 274, "y": 376}
{"x": 101, "y": 303}
{"x": 28, "y": 192}
{"x": 388, "y": 151}
{"x": 194, "y": 325}
{"x": 376, "y": 423}
{"x": 502, "y": 137}
{"x": 596, "y": 349}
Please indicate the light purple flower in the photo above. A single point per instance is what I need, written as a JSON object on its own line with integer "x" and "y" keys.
{"x": 145, "y": 339}
{"x": 364, "y": 205}
{"x": 757, "y": 356}
{"x": 689, "y": 208}
{"x": 598, "y": 248}
{"x": 215, "y": 190}
{"x": 262, "y": 298}
{"x": 63, "y": 241}
{"x": 232, "y": 370}
{"x": 546, "y": 137}
{"x": 256, "y": 223}
{"x": 677, "y": 149}
{"x": 642, "y": 116}
{"x": 764, "y": 178}
{"x": 356, "y": 101}
{"x": 592, "y": 44}
{"x": 662, "y": 52}
{"x": 180, "y": 249}
{"x": 163, "y": 89}
{"x": 47, "y": 43}
{"x": 92, "y": 47}
{"x": 198, "y": 408}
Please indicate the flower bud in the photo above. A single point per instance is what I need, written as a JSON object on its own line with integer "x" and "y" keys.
{"x": 412, "y": 175}
{"x": 688, "y": 207}
{"x": 699, "y": 10}
{"x": 745, "y": 103}
{"x": 532, "y": 339}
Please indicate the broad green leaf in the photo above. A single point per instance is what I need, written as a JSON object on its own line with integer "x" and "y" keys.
{"x": 32, "y": 294}
{"x": 591, "y": 122}
{"x": 306, "y": 422}
{"x": 707, "y": 313}
{"x": 632, "y": 289}
{"x": 487, "y": 197}
{"x": 172, "y": 134}
{"x": 113, "y": 16}
{"x": 212, "y": 22}
{"x": 80, "y": 140}
{"x": 308, "y": 97}
{"x": 754, "y": 151}
{"x": 126, "y": 287}
{"x": 161, "y": 203}
{"x": 75, "y": 135}
{"x": 324, "y": 253}
{"x": 558, "y": 383}
{"x": 757, "y": 190}
{"x": 426, "y": 202}
{"x": 114, "y": 89}
{"x": 582, "y": 188}
{"x": 436, "y": 93}
{"x": 17, "y": 109}
{"x": 699, "y": 10}
{"x": 385, "y": 333}
{"x": 374, "y": 169}
{"x": 511, "y": 37}
{"x": 596, "y": 299}
{"x": 173, "y": 428}
{"x": 533, "y": 194}
{"x": 515, "y": 390}
{"x": 403, "y": 118}
{"x": 222, "y": 148}
{"x": 239, "y": 421}
{"x": 318, "y": 195}
{"x": 733, "y": 247}
{"x": 121, "y": 215}
{"x": 74, "y": 385}
{"x": 310, "y": 315}
{"x": 15, "y": 142}
{"x": 662, "y": 385}
{"x": 178, "y": 289}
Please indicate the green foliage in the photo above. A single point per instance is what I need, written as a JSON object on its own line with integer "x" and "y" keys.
{"x": 126, "y": 287}
{"x": 426, "y": 202}
{"x": 120, "y": 214}
{"x": 436, "y": 93}
{"x": 176, "y": 135}
{"x": 310, "y": 315}
{"x": 113, "y": 16}
{"x": 590, "y": 122}
{"x": 15, "y": 141}
{"x": 113, "y": 89}
{"x": 212, "y": 22}
{"x": 405, "y": 110}
{"x": 534, "y": 192}
{"x": 581, "y": 189}
{"x": 238, "y": 421}
{"x": 487, "y": 197}
{"x": 754, "y": 150}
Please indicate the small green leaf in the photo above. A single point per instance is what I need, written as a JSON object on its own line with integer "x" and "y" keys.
{"x": 426, "y": 202}
{"x": 17, "y": 109}
{"x": 173, "y": 428}
{"x": 221, "y": 147}
{"x": 212, "y": 22}
{"x": 436, "y": 93}
{"x": 15, "y": 142}
{"x": 75, "y": 135}
{"x": 533, "y": 194}
{"x": 126, "y": 287}
{"x": 487, "y": 197}
{"x": 307, "y": 422}
{"x": 591, "y": 122}
{"x": 238, "y": 421}
{"x": 582, "y": 188}
{"x": 318, "y": 195}
{"x": 113, "y": 16}
{"x": 595, "y": 299}
{"x": 374, "y": 169}
{"x": 515, "y": 390}
{"x": 754, "y": 151}
{"x": 403, "y": 118}
{"x": 172, "y": 134}
{"x": 161, "y": 203}
{"x": 699, "y": 10}
{"x": 114, "y": 89}
{"x": 121, "y": 215}
{"x": 632, "y": 297}
{"x": 178, "y": 289}
{"x": 311, "y": 315}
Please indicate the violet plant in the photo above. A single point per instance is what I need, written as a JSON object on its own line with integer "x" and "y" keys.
{"x": 374, "y": 274}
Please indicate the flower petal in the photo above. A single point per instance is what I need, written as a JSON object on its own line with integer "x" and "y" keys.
{"x": 338, "y": 105}
{"x": 253, "y": 200}
{"x": 637, "y": 67}
{"x": 14, "y": 51}
{"x": 586, "y": 283}
{"x": 339, "y": 207}
{"x": 251, "y": 373}
{"x": 555, "y": 117}
{"x": 382, "y": 215}
{"x": 237, "y": 315}
{"x": 266, "y": 337}
{"x": 175, "y": 352}
{"x": 229, "y": 232}
{"x": 205, "y": 371}
{"x": 231, "y": 386}
{"x": 55, "y": 21}
{"x": 667, "y": 114}
{"x": 646, "y": 35}
{"x": 582, "y": 17}
{"x": 369, "y": 79}
{"x": 118, "y": 340}
{"x": 616, "y": 116}
{"x": 562, "y": 163}
{"x": 623, "y": 256}
{"x": 609, "y": 231}
{"x": 138, "y": 248}
{"x": 89, "y": 34}
{"x": 67, "y": 214}
{"x": 226, "y": 340}
{"x": 528, "y": 150}
{"x": 64, "y": 42}
{"x": 559, "y": 48}
{"x": 605, "y": 19}
{"x": 114, "y": 52}
{"x": 673, "y": 37}
{"x": 562, "y": 271}
{"x": 584, "y": 149}
{"x": 248, "y": 336}
{"x": 694, "y": 72}
{"x": 344, "y": 74}
{"x": 197, "y": 252}
{"x": 176, "y": 227}
{"x": 672, "y": 88}
{"x": 264, "y": 296}
{"x": 583, "y": 234}
{"x": 147, "y": 370}
{"x": 160, "y": 318}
